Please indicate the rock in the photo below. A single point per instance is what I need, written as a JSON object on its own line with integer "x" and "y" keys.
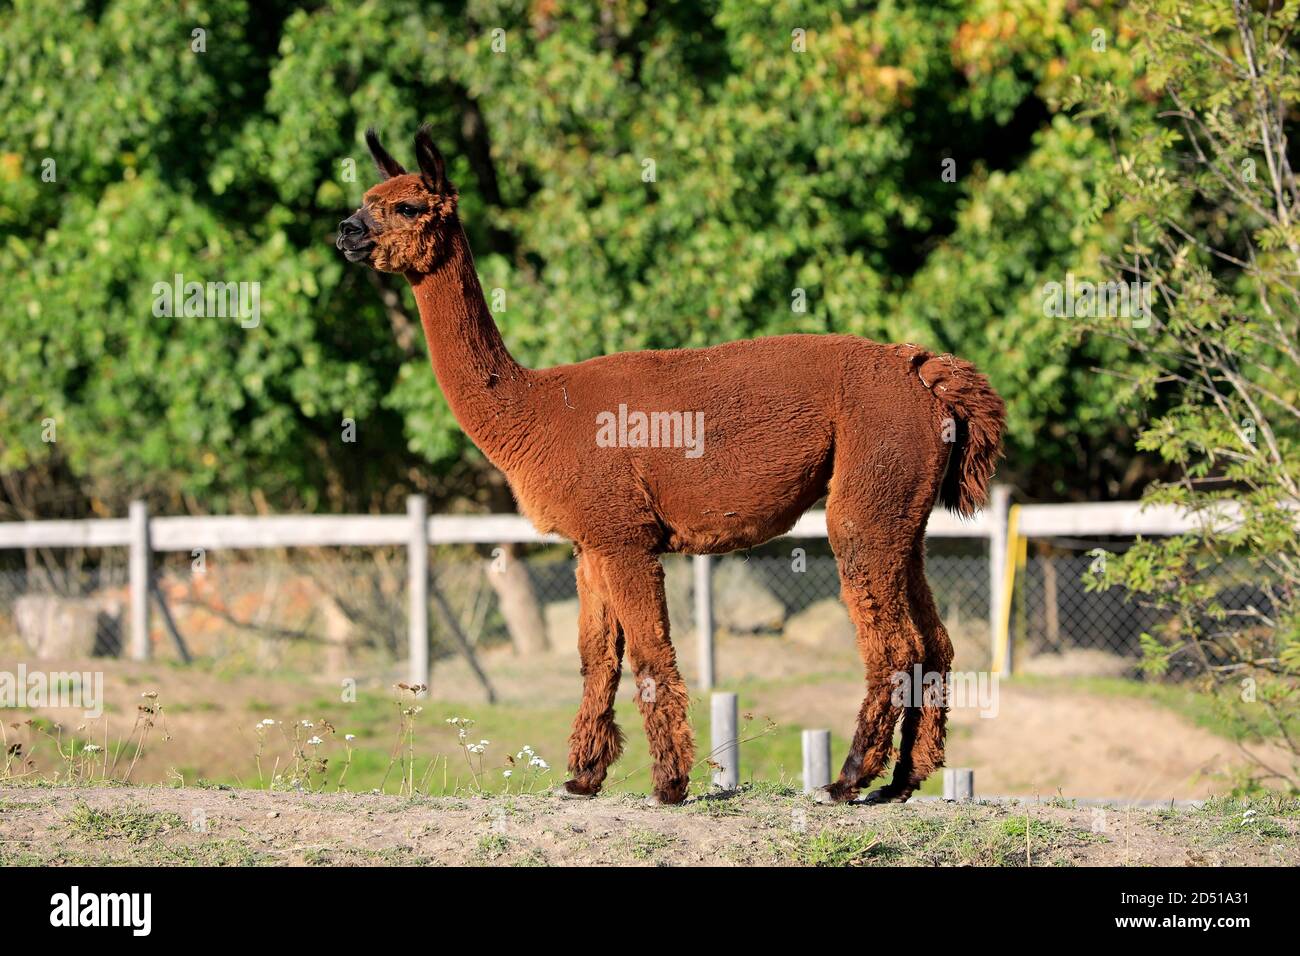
{"x": 742, "y": 604}
{"x": 823, "y": 623}
{"x": 56, "y": 627}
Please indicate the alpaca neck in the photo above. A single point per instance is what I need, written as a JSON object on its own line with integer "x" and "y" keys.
{"x": 481, "y": 380}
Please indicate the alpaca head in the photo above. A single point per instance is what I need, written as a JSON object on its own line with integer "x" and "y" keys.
{"x": 402, "y": 223}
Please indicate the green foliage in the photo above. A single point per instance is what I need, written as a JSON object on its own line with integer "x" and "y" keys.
{"x": 840, "y": 849}
{"x": 1209, "y": 202}
{"x": 127, "y": 823}
{"x": 773, "y": 171}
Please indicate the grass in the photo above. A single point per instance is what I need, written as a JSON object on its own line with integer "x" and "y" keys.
{"x": 13, "y": 855}
{"x": 969, "y": 836}
{"x": 770, "y": 755}
{"x": 492, "y": 847}
{"x": 124, "y": 823}
{"x": 771, "y": 826}
{"x": 214, "y": 853}
{"x": 531, "y": 858}
{"x": 646, "y": 844}
{"x": 839, "y": 849}
{"x": 1274, "y": 805}
{"x": 151, "y": 837}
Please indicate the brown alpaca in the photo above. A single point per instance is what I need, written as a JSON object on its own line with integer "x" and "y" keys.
{"x": 882, "y": 430}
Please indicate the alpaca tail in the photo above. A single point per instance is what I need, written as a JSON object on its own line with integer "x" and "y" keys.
{"x": 978, "y": 415}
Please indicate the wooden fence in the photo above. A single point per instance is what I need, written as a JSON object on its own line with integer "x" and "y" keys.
{"x": 1003, "y": 526}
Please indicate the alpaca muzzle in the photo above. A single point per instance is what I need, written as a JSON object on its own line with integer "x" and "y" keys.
{"x": 354, "y": 239}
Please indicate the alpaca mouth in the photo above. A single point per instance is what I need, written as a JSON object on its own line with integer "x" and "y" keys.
{"x": 355, "y": 251}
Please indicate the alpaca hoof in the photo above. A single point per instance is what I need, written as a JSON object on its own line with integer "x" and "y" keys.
{"x": 886, "y": 794}
{"x": 834, "y": 793}
{"x": 572, "y": 790}
{"x": 664, "y": 798}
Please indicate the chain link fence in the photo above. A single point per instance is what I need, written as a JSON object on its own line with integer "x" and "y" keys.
{"x": 347, "y": 607}
{"x": 1061, "y": 627}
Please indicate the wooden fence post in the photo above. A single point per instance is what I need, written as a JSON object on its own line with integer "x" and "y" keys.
{"x": 816, "y": 759}
{"x": 725, "y": 749}
{"x": 958, "y": 784}
{"x": 703, "y": 565}
{"x": 139, "y": 571}
{"x": 417, "y": 566}
{"x": 999, "y": 642}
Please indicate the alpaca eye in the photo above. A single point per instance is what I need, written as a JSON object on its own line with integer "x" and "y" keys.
{"x": 407, "y": 210}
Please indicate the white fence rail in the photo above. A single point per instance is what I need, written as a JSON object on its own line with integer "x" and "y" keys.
{"x": 1001, "y": 525}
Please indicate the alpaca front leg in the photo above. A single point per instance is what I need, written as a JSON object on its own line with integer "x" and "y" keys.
{"x": 636, "y": 589}
{"x": 596, "y": 741}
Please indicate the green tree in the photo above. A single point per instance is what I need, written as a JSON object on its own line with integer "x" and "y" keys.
{"x": 1210, "y": 199}
{"x": 632, "y": 176}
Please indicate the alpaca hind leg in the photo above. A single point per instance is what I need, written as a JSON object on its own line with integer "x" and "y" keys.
{"x": 922, "y": 751}
{"x": 888, "y": 653}
{"x": 873, "y": 552}
{"x": 903, "y": 783}
{"x": 636, "y": 591}
{"x": 596, "y": 741}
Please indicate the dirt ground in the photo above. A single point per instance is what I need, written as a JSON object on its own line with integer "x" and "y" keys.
{"x": 1047, "y": 741}
{"x": 44, "y": 826}
{"x": 1042, "y": 739}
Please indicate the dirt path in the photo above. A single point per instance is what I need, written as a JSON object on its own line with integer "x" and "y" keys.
{"x": 1045, "y": 741}
{"x": 764, "y": 826}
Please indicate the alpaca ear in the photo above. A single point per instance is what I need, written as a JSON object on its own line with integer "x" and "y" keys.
{"x": 433, "y": 168}
{"x": 387, "y": 166}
